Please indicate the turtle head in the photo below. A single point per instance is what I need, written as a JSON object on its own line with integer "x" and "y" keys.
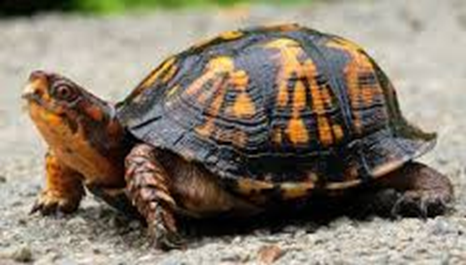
{"x": 77, "y": 125}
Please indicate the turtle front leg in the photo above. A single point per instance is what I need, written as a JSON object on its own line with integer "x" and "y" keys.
{"x": 148, "y": 188}
{"x": 414, "y": 190}
{"x": 63, "y": 190}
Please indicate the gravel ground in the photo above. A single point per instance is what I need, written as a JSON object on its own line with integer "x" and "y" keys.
{"x": 421, "y": 44}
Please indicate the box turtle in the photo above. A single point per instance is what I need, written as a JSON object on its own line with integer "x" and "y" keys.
{"x": 237, "y": 124}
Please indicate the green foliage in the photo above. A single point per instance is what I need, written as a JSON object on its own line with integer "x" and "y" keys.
{"x": 118, "y": 6}
{"x": 24, "y": 7}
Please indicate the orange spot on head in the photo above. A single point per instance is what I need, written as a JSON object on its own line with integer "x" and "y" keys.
{"x": 94, "y": 112}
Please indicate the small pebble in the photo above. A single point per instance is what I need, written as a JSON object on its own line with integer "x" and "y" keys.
{"x": 2, "y": 179}
{"x": 23, "y": 255}
{"x": 269, "y": 254}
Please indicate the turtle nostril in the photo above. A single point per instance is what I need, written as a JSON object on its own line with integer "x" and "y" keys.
{"x": 36, "y": 85}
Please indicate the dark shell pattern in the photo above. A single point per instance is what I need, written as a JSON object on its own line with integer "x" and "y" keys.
{"x": 282, "y": 107}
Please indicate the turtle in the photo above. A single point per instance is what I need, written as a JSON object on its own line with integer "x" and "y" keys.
{"x": 236, "y": 125}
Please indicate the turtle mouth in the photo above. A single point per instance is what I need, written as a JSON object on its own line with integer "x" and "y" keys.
{"x": 37, "y": 100}
{"x": 35, "y": 89}
{"x": 32, "y": 98}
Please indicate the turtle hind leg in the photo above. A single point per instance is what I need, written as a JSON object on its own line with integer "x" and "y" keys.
{"x": 148, "y": 188}
{"x": 413, "y": 190}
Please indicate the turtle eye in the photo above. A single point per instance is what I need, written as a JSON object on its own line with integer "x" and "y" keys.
{"x": 65, "y": 92}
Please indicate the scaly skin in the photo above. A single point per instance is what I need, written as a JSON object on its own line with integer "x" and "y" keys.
{"x": 84, "y": 140}
{"x": 63, "y": 190}
{"x": 148, "y": 186}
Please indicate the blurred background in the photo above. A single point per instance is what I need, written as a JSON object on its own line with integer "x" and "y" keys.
{"x": 109, "y": 46}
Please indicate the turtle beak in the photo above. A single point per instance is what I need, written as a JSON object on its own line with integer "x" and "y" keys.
{"x": 36, "y": 86}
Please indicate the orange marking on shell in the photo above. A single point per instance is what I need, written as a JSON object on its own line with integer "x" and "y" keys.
{"x": 170, "y": 73}
{"x": 239, "y": 79}
{"x": 282, "y": 97}
{"x": 338, "y": 132}
{"x": 209, "y": 91}
{"x": 214, "y": 67}
{"x": 299, "y": 99}
{"x": 198, "y": 84}
{"x": 277, "y": 136}
{"x": 367, "y": 96}
{"x": 209, "y": 128}
{"x": 231, "y": 35}
{"x": 359, "y": 94}
{"x": 235, "y": 137}
{"x": 152, "y": 78}
{"x": 343, "y": 44}
{"x": 292, "y": 68}
{"x": 206, "y": 129}
{"x": 326, "y": 97}
{"x": 289, "y": 52}
{"x": 221, "y": 63}
{"x": 343, "y": 185}
{"x": 248, "y": 186}
{"x": 296, "y": 190}
{"x": 283, "y": 44}
{"x": 243, "y": 106}
{"x": 297, "y": 131}
{"x": 325, "y": 131}
{"x": 214, "y": 109}
{"x": 225, "y": 36}
{"x": 320, "y": 99}
{"x": 172, "y": 91}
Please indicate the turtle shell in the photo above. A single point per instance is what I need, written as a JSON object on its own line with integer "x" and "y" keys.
{"x": 276, "y": 107}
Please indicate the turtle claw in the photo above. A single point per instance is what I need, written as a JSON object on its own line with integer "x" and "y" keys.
{"x": 422, "y": 204}
{"x": 49, "y": 203}
{"x": 164, "y": 238}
